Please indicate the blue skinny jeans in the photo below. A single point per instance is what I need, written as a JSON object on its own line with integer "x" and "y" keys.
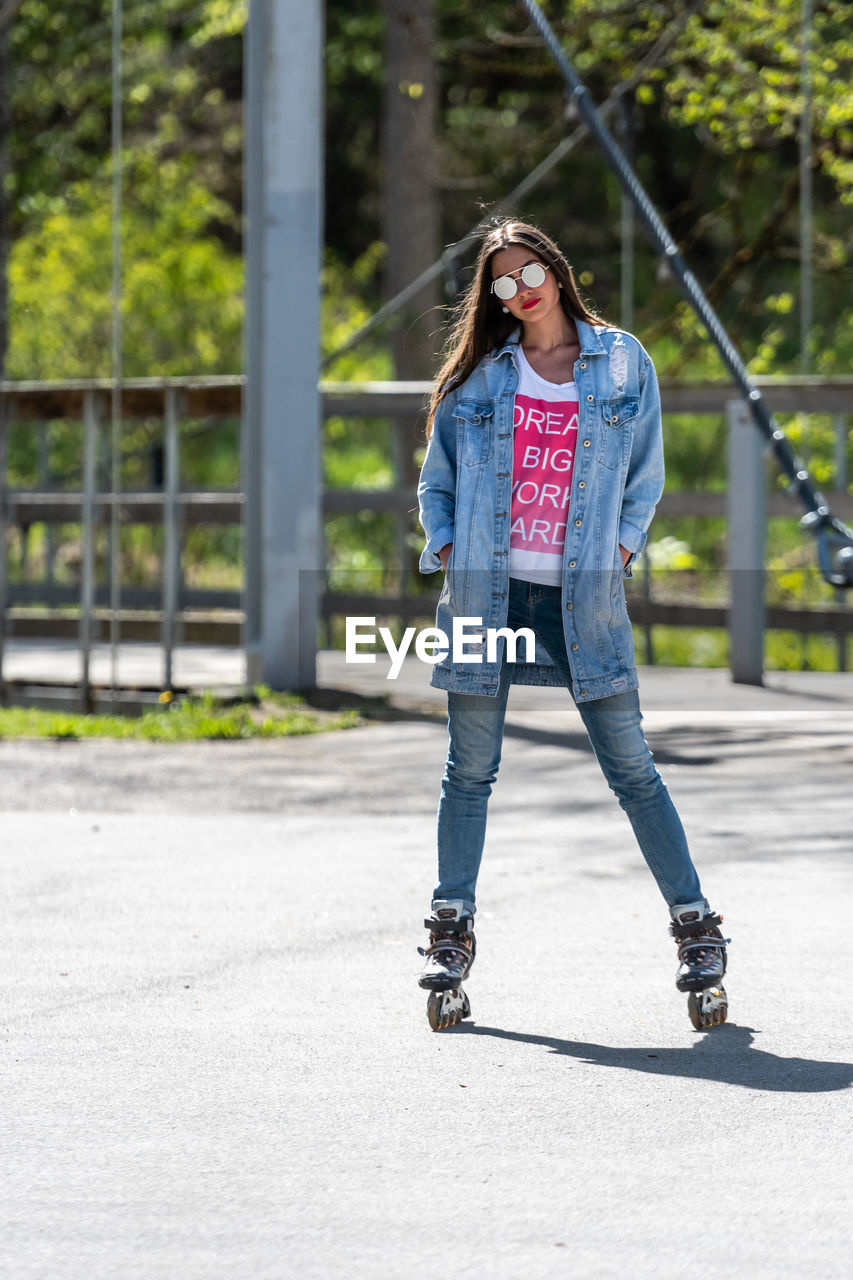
{"x": 613, "y": 725}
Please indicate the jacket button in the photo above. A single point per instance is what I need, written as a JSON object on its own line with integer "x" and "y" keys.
{"x": 582, "y": 364}
{"x": 616, "y": 417}
{"x": 590, "y": 397}
{"x": 575, "y": 647}
{"x": 583, "y": 693}
{"x": 582, "y": 484}
{"x": 572, "y": 564}
{"x": 570, "y": 605}
{"x": 587, "y": 443}
{"x": 578, "y": 524}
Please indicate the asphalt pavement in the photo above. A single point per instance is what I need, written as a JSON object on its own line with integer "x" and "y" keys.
{"x": 216, "y": 1061}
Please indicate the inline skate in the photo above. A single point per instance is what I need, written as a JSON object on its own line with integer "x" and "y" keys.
{"x": 448, "y": 960}
{"x": 701, "y": 963}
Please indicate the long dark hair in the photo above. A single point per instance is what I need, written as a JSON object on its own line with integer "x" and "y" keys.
{"x": 481, "y": 326}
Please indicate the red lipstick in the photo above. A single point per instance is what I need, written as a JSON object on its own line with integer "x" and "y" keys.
{"x": 525, "y": 306}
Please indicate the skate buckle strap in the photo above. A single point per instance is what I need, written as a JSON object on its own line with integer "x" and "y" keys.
{"x": 439, "y": 942}
{"x": 695, "y": 928}
{"x": 688, "y": 946}
{"x": 465, "y": 925}
{"x": 442, "y": 944}
{"x": 450, "y": 948}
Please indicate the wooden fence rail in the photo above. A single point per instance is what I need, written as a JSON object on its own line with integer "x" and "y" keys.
{"x": 176, "y": 613}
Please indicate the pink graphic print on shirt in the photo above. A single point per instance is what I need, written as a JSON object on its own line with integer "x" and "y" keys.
{"x": 543, "y": 456}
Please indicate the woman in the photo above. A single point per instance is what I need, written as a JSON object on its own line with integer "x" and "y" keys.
{"x": 542, "y": 473}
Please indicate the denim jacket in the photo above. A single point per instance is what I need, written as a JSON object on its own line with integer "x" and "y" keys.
{"x": 465, "y": 496}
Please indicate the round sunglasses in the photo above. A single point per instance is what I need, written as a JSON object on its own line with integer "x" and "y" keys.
{"x": 505, "y": 287}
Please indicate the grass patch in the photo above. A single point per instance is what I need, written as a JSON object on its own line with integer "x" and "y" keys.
{"x": 783, "y": 650}
{"x": 264, "y": 715}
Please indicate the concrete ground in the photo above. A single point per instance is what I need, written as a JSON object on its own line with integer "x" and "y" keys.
{"x": 216, "y": 1061}
{"x": 39, "y": 664}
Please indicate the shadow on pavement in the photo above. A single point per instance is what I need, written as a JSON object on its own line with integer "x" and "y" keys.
{"x": 382, "y": 709}
{"x": 725, "y": 1054}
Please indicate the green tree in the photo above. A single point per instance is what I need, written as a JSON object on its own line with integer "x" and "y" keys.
{"x": 714, "y": 134}
{"x": 182, "y": 290}
{"x": 182, "y": 188}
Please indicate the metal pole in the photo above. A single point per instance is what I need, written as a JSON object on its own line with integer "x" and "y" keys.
{"x": 806, "y": 191}
{"x": 282, "y": 409}
{"x": 87, "y": 583}
{"x": 626, "y": 309}
{"x": 171, "y": 532}
{"x": 839, "y": 423}
{"x": 746, "y": 500}
{"x": 401, "y": 455}
{"x": 250, "y": 442}
{"x": 43, "y": 482}
{"x": 115, "y": 451}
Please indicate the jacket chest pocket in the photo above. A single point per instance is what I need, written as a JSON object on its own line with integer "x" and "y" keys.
{"x": 474, "y": 439}
{"x": 615, "y": 431}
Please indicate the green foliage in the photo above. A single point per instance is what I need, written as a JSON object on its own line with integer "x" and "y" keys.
{"x": 683, "y": 647}
{"x": 713, "y": 129}
{"x": 347, "y": 290}
{"x": 182, "y": 81}
{"x": 220, "y": 18}
{"x": 670, "y": 553}
{"x": 361, "y": 552}
{"x": 739, "y": 82}
{"x": 695, "y": 447}
{"x": 182, "y": 188}
{"x": 783, "y": 650}
{"x": 354, "y": 84}
{"x": 182, "y": 299}
{"x": 213, "y": 557}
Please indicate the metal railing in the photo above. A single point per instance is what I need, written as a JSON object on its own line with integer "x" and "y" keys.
{"x": 171, "y": 612}
{"x": 650, "y": 603}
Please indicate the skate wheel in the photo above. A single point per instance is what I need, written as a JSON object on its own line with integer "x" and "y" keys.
{"x": 434, "y": 1010}
{"x": 708, "y": 1008}
{"x": 447, "y": 1008}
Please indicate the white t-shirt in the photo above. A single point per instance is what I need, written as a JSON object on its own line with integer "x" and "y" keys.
{"x": 544, "y": 441}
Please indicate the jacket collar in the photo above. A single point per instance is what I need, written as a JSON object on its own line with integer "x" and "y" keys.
{"x": 509, "y": 346}
{"x": 591, "y": 344}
